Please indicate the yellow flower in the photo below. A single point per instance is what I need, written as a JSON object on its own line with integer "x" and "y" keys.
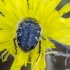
{"x": 52, "y": 24}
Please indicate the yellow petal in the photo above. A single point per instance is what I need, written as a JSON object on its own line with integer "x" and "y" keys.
{"x": 20, "y": 59}
{"x": 65, "y": 9}
{"x": 61, "y": 34}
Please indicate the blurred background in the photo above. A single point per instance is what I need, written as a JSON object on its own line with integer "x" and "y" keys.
{"x": 60, "y": 61}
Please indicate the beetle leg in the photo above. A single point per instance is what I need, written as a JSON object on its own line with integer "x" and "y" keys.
{"x": 39, "y": 47}
{"x": 15, "y": 45}
{"x": 38, "y": 55}
{"x": 39, "y": 50}
{"x": 43, "y": 38}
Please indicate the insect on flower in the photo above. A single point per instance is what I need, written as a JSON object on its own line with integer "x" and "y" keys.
{"x": 28, "y": 35}
{"x": 30, "y": 40}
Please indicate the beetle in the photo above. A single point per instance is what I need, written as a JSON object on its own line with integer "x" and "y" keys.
{"x": 28, "y": 35}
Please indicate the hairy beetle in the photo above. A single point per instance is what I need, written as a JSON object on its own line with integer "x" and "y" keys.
{"x": 28, "y": 34}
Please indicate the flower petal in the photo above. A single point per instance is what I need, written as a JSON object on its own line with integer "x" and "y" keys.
{"x": 61, "y": 34}
{"x": 20, "y": 59}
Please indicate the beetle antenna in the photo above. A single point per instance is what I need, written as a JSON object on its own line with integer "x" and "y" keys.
{"x": 15, "y": 45}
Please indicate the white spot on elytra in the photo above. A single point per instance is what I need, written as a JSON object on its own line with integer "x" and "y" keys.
{"x": 22, "y": 45}
{"x": 19, "y": 35}
{"x": 36, "y": 38}
{"x": 38, "y": 31}
{"x": 20, "y": 28}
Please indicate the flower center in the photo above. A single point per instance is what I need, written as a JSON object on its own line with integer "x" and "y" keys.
{"x": 28, "y": 34}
